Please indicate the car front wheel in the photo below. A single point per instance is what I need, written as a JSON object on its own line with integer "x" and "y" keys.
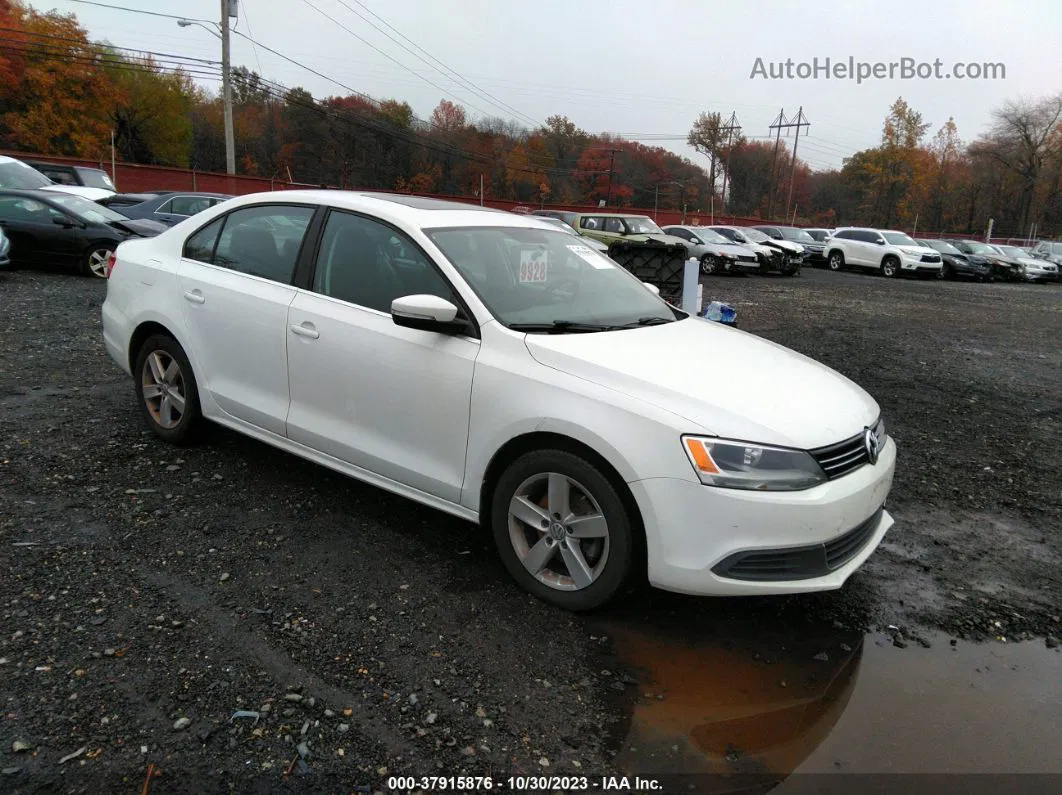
{"x": 562, "y": 529}
{"x": 707, "y": 265}
{"x": 167, "y": 391}
{"x": 890, "y": 267}
{"x": 835, "y": 261}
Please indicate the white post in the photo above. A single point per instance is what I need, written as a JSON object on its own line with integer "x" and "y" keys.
{"x": 988, "y": 234}
{"x": 481, "y": 189}
{"x": 915, "y": 230}
{"x": 114, "y": 174}
{"x": 691, "y": 297}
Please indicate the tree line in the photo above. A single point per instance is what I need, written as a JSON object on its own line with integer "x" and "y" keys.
{"x": 62, "y": 94}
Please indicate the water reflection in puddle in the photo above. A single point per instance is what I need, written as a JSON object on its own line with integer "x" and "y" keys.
{"x": 745, "y": 709}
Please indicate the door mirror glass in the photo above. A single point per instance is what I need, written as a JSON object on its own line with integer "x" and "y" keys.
{"x": 427, "y": 313}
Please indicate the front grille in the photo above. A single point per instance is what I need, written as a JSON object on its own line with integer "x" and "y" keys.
{"x": 930, "y": 258}
{"x": 839, "y": 459}
{"x": 747, "y": 258}
{"x": 799, "y": 563}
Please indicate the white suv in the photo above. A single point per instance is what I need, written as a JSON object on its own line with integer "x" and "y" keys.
{"x": 886, "y": 250}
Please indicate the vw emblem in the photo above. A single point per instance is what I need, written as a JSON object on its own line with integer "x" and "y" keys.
{"x": 870, "y": 442}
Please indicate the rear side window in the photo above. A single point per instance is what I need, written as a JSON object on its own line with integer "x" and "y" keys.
{"x": 200, "y": 245}
{"x": 259, "y": 241}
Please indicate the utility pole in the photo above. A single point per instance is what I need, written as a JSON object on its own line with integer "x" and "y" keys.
{"x": 228, "y": 8}
{"x": 777, "y": 124}
{"x": 801, "y": 121}
{"x": 731, "y": 127}
{"x": 611, "y": 165}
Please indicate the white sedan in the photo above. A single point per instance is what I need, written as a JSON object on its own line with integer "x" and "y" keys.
{"x": 495, "y": 368}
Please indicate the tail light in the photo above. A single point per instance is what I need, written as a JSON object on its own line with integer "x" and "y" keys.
{"x": 112, "y": 260}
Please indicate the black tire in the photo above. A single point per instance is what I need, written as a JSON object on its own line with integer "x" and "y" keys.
{"x": 890, "y": 267}
{"x": 186, "y": 430}
{"x": 94, "y": 260}
{"x": 835, "y": 262}
{"x": 617, "y": 564}
{"x": 707, "y": 265}
{"x": 946, "y": 272}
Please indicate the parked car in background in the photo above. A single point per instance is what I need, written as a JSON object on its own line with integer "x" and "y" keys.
{"x": 569, "y": 217}
{"x": 774, "y": 255}
{"x": 172, "y": 208}
{"x": 66, "y": 174}
{"x": 813, "y": 250}
{"x": 17, "y": 175}
{"x": 5, "y": 249}
{"x": 715, "y": 252}
{"x": 819, "y": 235}
{"x": 955, "y": 264}
{"x": 612, "y": 227}
{"x": 1003, "y": 267}
{"x": 49, "y": 228}
{"x": 1034, "y": 269}
{"x": 117, "y": 201}
{"x": 1048, "y": 250}
{"x": 595, "y": 431}
{"x": 888, "y": 251}
{"x": 596, "y": 245}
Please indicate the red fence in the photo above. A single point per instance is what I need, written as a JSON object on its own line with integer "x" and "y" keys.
{"x": 133, "y": 178}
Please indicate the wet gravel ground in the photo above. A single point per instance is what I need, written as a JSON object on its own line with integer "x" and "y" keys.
{"x": 148, "y": 593}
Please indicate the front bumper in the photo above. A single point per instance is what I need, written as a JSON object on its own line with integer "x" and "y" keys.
{"x": 694, "y": 532}
{"x": 1041, "y": 274}
{"x": 916, "y": 265}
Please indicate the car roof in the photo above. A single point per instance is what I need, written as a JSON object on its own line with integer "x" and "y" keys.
{"x": 616, "y": 215}
{"x": 34, "y": 193}
{"x": 417, "y": 211}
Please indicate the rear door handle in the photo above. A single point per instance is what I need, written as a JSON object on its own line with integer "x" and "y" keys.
{"x": 306, "y": 330}
{"x": 195, "y": 297}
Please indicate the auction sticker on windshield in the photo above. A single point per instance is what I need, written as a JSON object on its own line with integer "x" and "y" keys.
{"x": 594, "y": 258}
{"x": 533, "y": 265}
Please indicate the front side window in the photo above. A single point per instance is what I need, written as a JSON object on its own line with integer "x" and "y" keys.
{"x": 368, "y": 263}
{"x": 614, "y": 225}
{"x": 17, "y": 208}
{"x": 263, "y": 241}
{"x": 542, "y": 277}
{"x": 642, "y": 226}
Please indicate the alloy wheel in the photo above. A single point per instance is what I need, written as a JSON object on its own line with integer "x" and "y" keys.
{"x": 163, "y": 388}
{"x": 97, "y": 262}
{"x": 707, "y": 266}
{"x": 558, "y": 531}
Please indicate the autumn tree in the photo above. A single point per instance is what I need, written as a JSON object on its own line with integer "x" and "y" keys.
{"x": 151, "y": 114}
{"x": 708, "y": 138}
{"x": 55, "y": 96}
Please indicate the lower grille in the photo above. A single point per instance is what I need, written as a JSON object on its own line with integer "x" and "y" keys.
{"x": 799, "y": 563}
{"x": 930, "y": 258}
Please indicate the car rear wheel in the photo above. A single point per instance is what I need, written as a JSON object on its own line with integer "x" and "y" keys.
{"x": 707, "y": 265}
{"x": 167, "y": 391}
{"x": 890, "y": 267}
{"x": 94, "y": 263}
{"x": 562, "y": 529}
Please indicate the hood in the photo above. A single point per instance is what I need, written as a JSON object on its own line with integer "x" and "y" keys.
{"x": 140, "y": 226}
{"x": 664, "y": 238}
{"x": 784, "y": 245}
{"x": 725, "y": 381}
{"x": 93, "y": 194}
{"x": 734, "y": 249}
{"x": 918, "y": 250}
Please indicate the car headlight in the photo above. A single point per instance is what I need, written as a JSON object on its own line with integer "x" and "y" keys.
{"x": 742, "y": 465}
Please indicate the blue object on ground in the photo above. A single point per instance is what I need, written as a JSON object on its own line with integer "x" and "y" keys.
{"x": 720, "y": 313}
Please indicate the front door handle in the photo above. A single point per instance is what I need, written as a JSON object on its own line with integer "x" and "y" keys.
{"x": 306, "y": 330}
{"x": 195, "y": 297}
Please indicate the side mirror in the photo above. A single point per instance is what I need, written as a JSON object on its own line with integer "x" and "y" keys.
{"x": 652, "y": 288}
{"x": 880, "y": 241}
{"x": 695, "y": 240}
{"x": 427, "y": 313}
{"x": 66, "y": 223}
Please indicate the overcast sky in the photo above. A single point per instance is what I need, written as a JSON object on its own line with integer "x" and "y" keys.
{"x": 643, "y": 69}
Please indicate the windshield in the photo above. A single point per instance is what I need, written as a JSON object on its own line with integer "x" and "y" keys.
{"x": 980, "y": 248}
{"x": 85, "y": 209}
{"x": 18, "y": 176}
{"x": 797, "y": 235}
{"x": 557, "y": 222}
{"x": 538, "y": 276}
{"x": 711, "y": 236}
{"x": 898, "y": 239}
{"x": 642, "y": 226}
{"x": 817, "y": 234}
{"x": 941, "y": 246}
{"x": 94, "y": 178}
{"x": 1054, "y": 248}
{"x": 755, "y": 235}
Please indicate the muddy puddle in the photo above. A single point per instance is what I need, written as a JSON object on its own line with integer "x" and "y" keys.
{"x": 776, "y": 709}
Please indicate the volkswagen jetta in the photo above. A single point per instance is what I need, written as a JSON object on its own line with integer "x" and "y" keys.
{"x": 498, "y": 369}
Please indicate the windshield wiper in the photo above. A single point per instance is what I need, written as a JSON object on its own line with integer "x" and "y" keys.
{"x": 562, "y": 327}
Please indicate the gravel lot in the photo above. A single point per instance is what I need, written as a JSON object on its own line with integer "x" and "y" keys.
{"x": 150, "y": 592}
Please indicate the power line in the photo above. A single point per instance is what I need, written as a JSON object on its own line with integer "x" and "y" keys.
{"x": 449, "y": 72}
{"x": 136, "y": 10}
{"x": 367, "y": 43}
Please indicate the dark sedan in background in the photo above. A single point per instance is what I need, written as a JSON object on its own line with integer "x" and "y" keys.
{"x": 814, "y": 250}
{"x": 1003, "y": 267}
{"x": 170, "y": 207}
{"x": 956, "y": 264}
{"x": 49, "y": 228}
